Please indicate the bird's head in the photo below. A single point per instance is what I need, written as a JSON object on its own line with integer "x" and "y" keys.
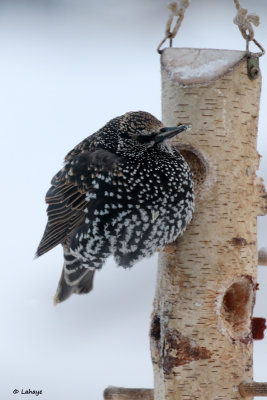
{"x": 144, "y": 129}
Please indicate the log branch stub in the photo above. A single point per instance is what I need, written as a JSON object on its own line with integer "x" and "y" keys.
{"x": 262, "y": 206}
{"x": 256, "y": 389}
{"x": 258, "y": 326}
{"x": 119, "y": 393}
{"x": 262, "y": 257}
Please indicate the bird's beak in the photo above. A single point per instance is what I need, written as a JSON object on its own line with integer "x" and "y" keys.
{"x": 168, "y": 133}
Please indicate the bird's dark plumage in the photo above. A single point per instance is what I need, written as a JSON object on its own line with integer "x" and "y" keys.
{"x": 123, "y": 191}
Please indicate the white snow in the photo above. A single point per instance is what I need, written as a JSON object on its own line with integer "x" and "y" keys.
{"x": 199, "y": 65}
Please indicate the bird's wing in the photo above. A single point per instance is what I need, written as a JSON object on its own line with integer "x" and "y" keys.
{"x": 66, "y": 197}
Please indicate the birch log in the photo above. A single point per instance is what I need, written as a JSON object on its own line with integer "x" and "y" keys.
{"x": 201, "y": 339}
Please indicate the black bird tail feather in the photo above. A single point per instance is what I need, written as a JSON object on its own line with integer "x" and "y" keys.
{"x": 83, "y": 284}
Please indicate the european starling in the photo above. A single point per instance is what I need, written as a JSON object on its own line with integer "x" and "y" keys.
{"x": 123, "y": 191}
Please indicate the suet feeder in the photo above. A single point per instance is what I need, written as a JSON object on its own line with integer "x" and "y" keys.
{"x": 203, "y": 327}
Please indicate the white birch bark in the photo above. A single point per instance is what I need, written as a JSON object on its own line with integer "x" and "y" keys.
{"x": 201, "y": 338}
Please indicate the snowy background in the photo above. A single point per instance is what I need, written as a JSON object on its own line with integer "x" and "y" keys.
{"x": 67, "y": 67}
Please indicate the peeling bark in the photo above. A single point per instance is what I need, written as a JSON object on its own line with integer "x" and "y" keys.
{"x": 201, "y": 331}
{"x": 180, "y": 350}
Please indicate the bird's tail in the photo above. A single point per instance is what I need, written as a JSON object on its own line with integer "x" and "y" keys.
{"x": 75, "y": 278}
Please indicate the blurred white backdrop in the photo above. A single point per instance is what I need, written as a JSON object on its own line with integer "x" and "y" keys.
{"x": 67, "y": 67}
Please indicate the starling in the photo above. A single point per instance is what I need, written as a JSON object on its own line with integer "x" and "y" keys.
{"x": 123, "y": 191}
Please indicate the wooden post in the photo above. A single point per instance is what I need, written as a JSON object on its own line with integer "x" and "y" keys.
{"x": 118, "y": 393}
{"x": 255, "y": 389}
{"x": 201, "y": 336}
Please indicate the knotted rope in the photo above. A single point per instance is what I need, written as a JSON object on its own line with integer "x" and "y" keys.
{"x": 177, "y": 9}
{"x": 243, "y": 20}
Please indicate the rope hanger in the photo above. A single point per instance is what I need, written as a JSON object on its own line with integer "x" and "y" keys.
{"x": 243, "y": 20}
